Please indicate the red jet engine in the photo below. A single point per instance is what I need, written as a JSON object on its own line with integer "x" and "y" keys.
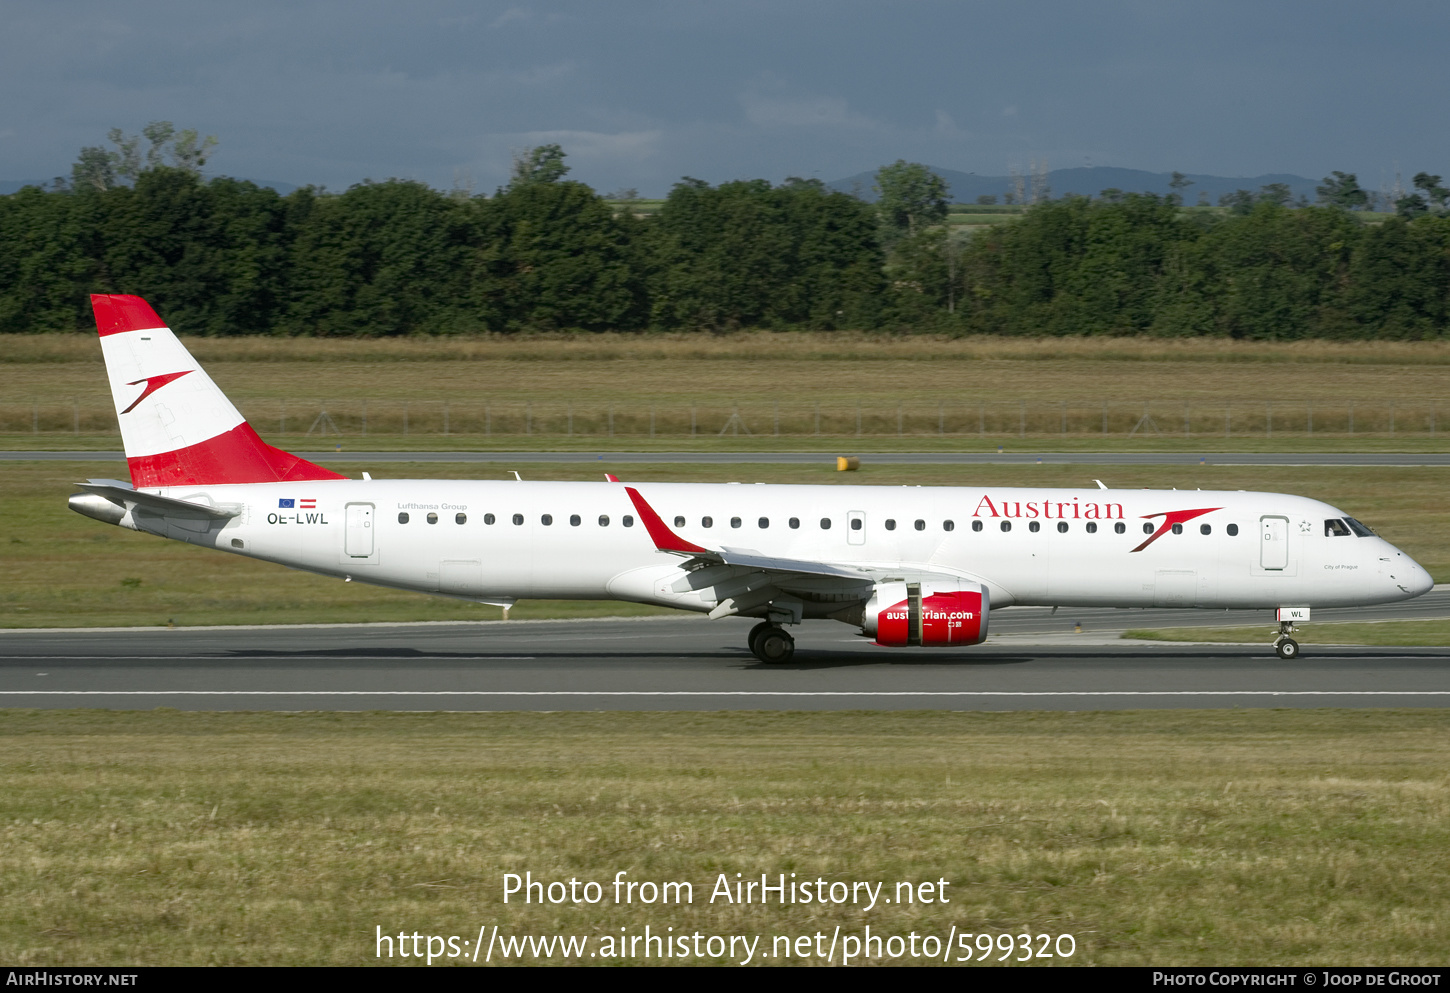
{"x": 927, "y": 614}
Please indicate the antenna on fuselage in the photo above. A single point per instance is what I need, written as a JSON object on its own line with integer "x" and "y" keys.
{"x": 516, "y": 475}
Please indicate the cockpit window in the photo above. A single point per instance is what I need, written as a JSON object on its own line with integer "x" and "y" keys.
{"x": 1358, "y": 528}
{"x": 1335, "y": 528}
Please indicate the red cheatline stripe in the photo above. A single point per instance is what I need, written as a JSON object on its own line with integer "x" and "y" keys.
{"x": 663, "y": 537}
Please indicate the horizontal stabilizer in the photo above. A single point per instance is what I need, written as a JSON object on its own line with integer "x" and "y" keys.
{"x": 126, "y": 495}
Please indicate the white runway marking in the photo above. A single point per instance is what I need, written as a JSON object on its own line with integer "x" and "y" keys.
{"x": 783, "y": 693}
{"x": 263, "y": 658}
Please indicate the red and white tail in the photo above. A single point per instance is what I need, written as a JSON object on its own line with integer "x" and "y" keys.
{"x": 178, "y": 427}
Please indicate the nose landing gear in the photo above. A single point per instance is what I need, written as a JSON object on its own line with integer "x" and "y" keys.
{"x": 771, "y": 643}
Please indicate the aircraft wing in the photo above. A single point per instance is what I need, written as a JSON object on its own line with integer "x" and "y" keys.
{"x": 751, "y": 559}
{"x": 744, "y": 580}
{"x": 666, "y": 540}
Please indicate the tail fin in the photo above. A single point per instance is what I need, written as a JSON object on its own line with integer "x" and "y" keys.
{"x": 177, "y": 426}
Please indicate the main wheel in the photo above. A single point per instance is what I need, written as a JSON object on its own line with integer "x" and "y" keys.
{"x": 755, "y": 634}
{"x": 775, "y": 645}
{"x": 1288, "y": 648}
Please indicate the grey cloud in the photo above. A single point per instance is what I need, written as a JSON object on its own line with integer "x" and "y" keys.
{"x": 642, "y": 92}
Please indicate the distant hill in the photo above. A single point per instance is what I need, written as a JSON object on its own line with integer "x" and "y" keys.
{"x": 1090, "y": 181}
{"x": 14, "y": 185}
{"x": 8, "y": 186}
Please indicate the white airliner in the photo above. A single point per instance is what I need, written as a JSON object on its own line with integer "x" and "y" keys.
{"x": 907, "y": 565}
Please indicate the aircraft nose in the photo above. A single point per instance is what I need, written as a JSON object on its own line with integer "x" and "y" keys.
{"x": 1407, "y": 575}
{"x": 1419, "y": 581}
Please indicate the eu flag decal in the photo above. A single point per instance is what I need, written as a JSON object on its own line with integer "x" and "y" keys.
{"x": 288, "y": 504}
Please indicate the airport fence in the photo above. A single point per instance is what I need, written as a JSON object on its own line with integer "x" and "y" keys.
{"x": 359, "y": 418}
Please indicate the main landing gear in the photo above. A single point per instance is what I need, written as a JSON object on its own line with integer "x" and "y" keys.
{"x": 771, "y": 643}
{"x": 1284, "y": 646}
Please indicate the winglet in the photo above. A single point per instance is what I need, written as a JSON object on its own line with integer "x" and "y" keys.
{"x": 610, "y": 477}
{"x": 665, "y": 539}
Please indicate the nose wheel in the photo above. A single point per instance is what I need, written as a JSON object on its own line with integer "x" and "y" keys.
{"x": 771, "y": 643}
{"x": 1284, "y": 646}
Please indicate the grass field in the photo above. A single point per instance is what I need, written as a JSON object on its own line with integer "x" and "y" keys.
{"x": 910, "y": 391}
{"x": 1164, "y": 838}
{"x": 58, "y": 569}
{"x": 1358, "y": 633}
{"x": 1267, "y": 837}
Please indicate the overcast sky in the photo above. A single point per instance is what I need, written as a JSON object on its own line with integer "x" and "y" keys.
{"x": 640, "y": 93}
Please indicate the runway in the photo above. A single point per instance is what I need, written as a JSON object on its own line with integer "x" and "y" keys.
{"x": 689, "y": 663}
{"x": 1387, "y": 459}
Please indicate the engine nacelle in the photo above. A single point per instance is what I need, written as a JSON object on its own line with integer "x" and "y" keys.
{"x": 927, "y": 614}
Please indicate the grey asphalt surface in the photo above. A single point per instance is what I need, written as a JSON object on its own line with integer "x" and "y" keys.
{"x": 807, "y": 458}
{"x": 1034, "y": 661}
{"x": 1017, "y": 621}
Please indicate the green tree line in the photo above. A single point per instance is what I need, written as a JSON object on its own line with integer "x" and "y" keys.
{"x": 226, "y": 257}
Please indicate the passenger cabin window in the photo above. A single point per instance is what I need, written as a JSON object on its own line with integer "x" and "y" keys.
{"x": 518, "y": 518}
{"x": 1205, "y": 529}
{"x": 628, "y": 521}
{"x": 574, "y": 520}
{"x": 919, "y": 525}
{"x": 1091, "y": 527}
{"x": 432, "y": 518}
{"x": 403, "y": 517}
{"x": 763, "y": 523}
{"x": 890, "y": 524}
{"x": 460, "y": 518}
{"x": 948, "y": 525}
{"x": 546, "y": 519}
{"x": 1178, "y": 529}
{"x": 1232, "y": 529}
{"x": 825, "y": 524}
{"x": 1006, "y": 525}
{"x": 604, "y": 521}
{"x": 976, "y": 525}
{"x": 1335, "y": 528}
{"x": 734, "y": 522}
{"x": 794, "y": 522}
{"x": 1062, "y": 527}
{"x": 1119, "y": 528}
{"x": 488, "y": 518}
{"x": 1034, "y": 527}
{"x": 1148, "y": 528}
{"x": 707, "y": 522}
{"x": 679, "y": 522}
{"x": 855, "y": 524}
